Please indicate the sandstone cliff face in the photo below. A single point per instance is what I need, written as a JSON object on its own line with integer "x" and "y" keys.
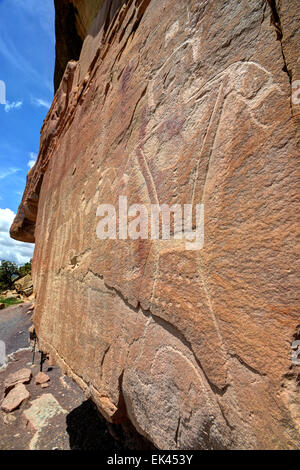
{"x": 73, "y": 20}
{"x": 175, "y": 102}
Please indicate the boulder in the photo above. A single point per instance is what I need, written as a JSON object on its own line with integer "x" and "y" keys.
{"x": 44, "y": 413}
{"x": 24, "y": 286}
{"x": 15, "y": 398}
{"x": 186, "y": 102}
{"x": 41, "y": 378}
{"x": 21, "y": 376}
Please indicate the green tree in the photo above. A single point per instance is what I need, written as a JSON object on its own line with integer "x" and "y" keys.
{"x": 25, "y": 269}
{"x": 8, "y": 273}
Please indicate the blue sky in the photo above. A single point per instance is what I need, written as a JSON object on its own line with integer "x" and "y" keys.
{"x": 27, "y": 54}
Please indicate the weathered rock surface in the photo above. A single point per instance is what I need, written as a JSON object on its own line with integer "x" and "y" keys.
{"x": 24, "y": 286}
{"x": 42, "y": 410}
{"x": 41, "y": 378}
{"x": 21, "y": 376}
{"x": 73, "y": 20}
{"x": 176, "y": 102}
{"x": 15, "y": 398}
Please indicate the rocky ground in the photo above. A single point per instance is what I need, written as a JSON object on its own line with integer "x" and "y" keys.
{"x": 55, "y": 417}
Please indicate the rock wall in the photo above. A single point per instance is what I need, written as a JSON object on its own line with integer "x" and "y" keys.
{"x": 182, "y": 101}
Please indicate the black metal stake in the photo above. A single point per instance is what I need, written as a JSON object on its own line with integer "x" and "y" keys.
{"x": 43, "y": 358}
{"x": 33, "y": 355}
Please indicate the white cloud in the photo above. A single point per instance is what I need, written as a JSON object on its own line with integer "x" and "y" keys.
{"x": 39, "y": 102}
{"x": 6, "y": 218}
{"x": 10, "y": 171}
{"x": 2, "y": 92}
{"x": 10, "y": 249}
{"x": 13, "y": 105}
{"x": 32, "y": 159}
{"x": 41, "y": 11}
{"x": 11, "y": 53}
{"x": 31, "y": 163}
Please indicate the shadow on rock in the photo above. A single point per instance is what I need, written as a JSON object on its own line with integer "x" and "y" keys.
{"x": 88, "y": 430}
